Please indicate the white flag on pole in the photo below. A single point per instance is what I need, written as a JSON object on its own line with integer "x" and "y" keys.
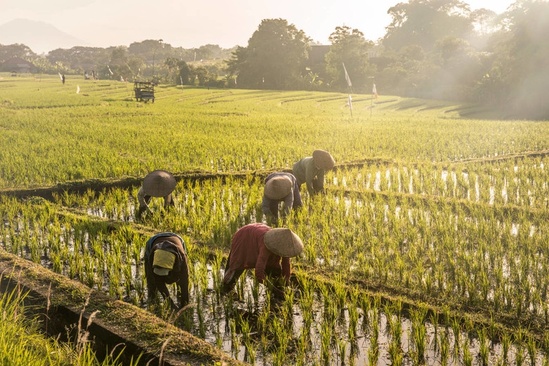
{"x": 374, "y": 91}
{"x": 78, "y": 89}
{"x": 347, "y": 78}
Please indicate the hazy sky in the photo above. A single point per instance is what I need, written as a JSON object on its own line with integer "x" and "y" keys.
{"x": 192, "y": 23}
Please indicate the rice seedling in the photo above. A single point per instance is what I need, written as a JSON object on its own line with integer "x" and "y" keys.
{"x": 531, "y": 347}
{"x": 484, "y": 347}
{"x": 419, "y": 334}
{"x": 373, "y": 350}
{"x": 444, "y": 348}
{"x": 466, "y": 352}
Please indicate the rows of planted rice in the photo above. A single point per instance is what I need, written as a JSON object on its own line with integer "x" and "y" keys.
{"x": 520, "y": 181}
{"x": 56, "y": 135}
{"x": 318, "y": 322}
{"x": 428, "y": 246}
{"x": 463, "y": 254}
{"x": 472, "y": 251}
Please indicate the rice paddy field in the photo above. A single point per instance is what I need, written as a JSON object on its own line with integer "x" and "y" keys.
{"x": 429, "y": 245}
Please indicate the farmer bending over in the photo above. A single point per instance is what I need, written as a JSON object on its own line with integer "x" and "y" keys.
{"x": 166, "y": 263}
{"x": 280, "y": 187}
{"x": 266, "y": 250}
{"x": 310, "y": 170}
{"x": 158, "y": 183}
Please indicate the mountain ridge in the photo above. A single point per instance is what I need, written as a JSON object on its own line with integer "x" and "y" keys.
{"x": 39, "y": 36}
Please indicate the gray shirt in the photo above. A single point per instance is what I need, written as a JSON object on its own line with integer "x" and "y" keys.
{"x": 306, "y": 171}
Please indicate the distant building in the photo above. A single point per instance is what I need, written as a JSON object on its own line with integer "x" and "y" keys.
{"x": 18, "y": 65}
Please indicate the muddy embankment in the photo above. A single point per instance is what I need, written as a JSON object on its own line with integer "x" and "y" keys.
{"x": 68, "y": 309}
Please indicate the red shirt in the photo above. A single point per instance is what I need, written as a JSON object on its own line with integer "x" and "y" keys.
{"x": 248, "y": 250}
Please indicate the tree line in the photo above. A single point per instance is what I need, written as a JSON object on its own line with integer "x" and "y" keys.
{"x": 431, "y": 49}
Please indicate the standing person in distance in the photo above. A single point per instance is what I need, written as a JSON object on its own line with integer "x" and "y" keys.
{"x": 310, "y": 170}
{"x": 166, "y": 263}
{"x": 158, "y": 183}
{"x": 280, "y": 187}
{"x": 267, "y": 251}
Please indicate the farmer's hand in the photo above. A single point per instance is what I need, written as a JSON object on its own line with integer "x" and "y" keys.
{"x": 278, "y": 293}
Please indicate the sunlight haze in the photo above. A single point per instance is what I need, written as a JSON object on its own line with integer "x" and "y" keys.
{"x": 188, "y": 24}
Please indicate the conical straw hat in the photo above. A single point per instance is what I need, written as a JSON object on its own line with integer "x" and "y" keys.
{"x": 278, "y": 187}
{"x": 158, "y": 183}
{"x": 323, "y": 159}
{"x": 283, "y": 242}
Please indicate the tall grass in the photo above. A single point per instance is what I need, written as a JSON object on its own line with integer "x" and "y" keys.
{"x": 23, "y": 343}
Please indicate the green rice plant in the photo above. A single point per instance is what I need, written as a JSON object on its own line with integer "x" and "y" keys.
{"x": 505, "y": 344}
{"x": 216, "y": 273}
{"x": 444, "y": 347}
{"x": 484, "y": 347}
{"x": 303, "y": 346}
{"x": 373, "y": 350}
{"x": 326, "y": 337}
{"x": 467, "y": 356}
{"x": 519, "y": 340}
{"x": 263, "y": 327}
{"x": 545, "y": 343}
{"x": 200, "y": 313}
{"x": 235, "y": 339}
{"x": 365, "y": 306}
{"x": 419, "y": 333}
{"x": 456, "y": 330}
{"x": 288, "y": 307}
{"x": 248, "y": 342}
{"x": 434, "y": 319}
{"x": 352, "y": 308}
{"x": 532, "y": 348}
{"x": 519, "y": 355}
{"x": 342, "y": 350}
{"x": 394, "y": 324}
{"x": 395, "y": 353}
{"x": 282, "y": 340}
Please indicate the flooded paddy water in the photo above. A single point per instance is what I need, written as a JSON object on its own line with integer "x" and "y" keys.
{"x": 319, "y": 325}
{"x": 95, "y": 238}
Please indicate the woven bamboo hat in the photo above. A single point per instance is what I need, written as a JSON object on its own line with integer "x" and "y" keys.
{"x": 283, "y": 242}
{"x": 278, "y": 187}
{"x": 163, "y": 262}
{"x": 323, "y": 159}
{"x": 158, "y": 183}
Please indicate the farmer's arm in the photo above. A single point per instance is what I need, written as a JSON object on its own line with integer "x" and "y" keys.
{"x": 163, "y": 289}
{"x": 297, "y": 196}
{"x": 288, "y": 203}
{"x": 318, "y": 184}
{"x": 261, "y": 263}
{"x": 266, "y": 206}
{"x": 309, "y": 177}
{"x": 286, "y": 269}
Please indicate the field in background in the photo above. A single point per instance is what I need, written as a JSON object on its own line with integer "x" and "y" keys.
{"x": 51, "y": 134}
{"x": 433, "y": 226}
